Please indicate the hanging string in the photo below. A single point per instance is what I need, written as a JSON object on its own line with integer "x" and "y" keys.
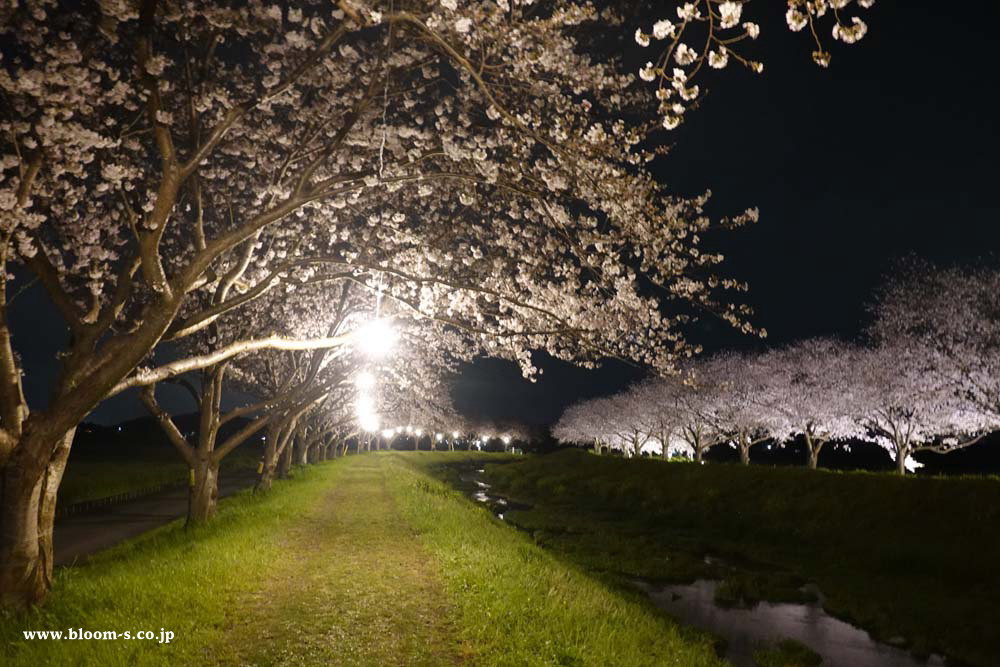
{"x": 381, "y": 147}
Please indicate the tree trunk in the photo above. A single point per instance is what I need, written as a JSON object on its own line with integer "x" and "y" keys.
{"x": 27, "y": 513}
{"x": 744, "y": 454}
{"x": 813, "y": 458}
{"x": 699, "y": 453}
{"x": 901, "y": 463}
{"x": 285, "y": 461}
{"x": 301, "y": 450}
{"x": 270, "y": 463}
{"x": 205, "y": 491}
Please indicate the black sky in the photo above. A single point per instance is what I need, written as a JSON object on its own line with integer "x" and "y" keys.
{"x": 891, "y": 151}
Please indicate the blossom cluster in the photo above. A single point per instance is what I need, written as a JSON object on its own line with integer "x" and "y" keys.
{"x": 713, "y": 32}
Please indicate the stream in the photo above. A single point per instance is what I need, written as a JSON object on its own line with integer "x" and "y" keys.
{"x": 745, "y": 629}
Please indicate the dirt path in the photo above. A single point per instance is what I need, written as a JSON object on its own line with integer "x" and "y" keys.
{"x": 356, "y": 588}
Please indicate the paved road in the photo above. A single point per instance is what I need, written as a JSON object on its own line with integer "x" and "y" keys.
{"x": 80, "y": 535}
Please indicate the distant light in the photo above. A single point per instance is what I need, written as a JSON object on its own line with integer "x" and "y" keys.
{"x": 367, "y": 417}
{"x": 364, "y": 381}
{"x": 368, "y": 422}
{"x": 420, "y": 431}
{"x": 377, "y": 338}
{"x": 506, "y": 440}
{"x": 438, "y": 437}
{"x": 388, "y": 433}
{"x": 399, "y": 429}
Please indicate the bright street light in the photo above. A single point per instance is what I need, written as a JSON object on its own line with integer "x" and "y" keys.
{"x": 364, "y": 380}
{"x": 368, "y": 422}
{"x": 367, "y": 417}
{"x": 377, "y": 338}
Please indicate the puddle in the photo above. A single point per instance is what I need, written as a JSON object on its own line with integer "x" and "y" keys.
{"x": 480, "y": 492}
{"x": 840, "y": 643}
{"x": 746, "y": 629}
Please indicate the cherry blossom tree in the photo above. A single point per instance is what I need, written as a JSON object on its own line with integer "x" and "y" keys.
{"x": 738, "y": 385}
{"x": 664, "y": 406}
{"x": 587, "y": 422}
{"x": 907, "y": 410}
{"x": 952, "y": 316}
{"x": 810, "y": 393}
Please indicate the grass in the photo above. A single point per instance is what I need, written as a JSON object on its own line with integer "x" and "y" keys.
{"x": 95, "y": 479}
{"x": 901, "y": 557}
{"x": 786, "y": 653}
{"x": 522, "y": 606}
{"x": 362, "y": 561}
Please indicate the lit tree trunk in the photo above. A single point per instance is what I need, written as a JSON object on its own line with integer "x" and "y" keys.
{"x": 285, "y": 460}
{"x": 901, "y": 453}
{"x": 205, "y": 492}
{"x": 271, "y": 453}
{"x": 813, "y": 458}
{"x": 813, "y": 447}
{"x": 301, "y": 450}
{"x": 744, "y": 443}
{"x": 27, "y": 513}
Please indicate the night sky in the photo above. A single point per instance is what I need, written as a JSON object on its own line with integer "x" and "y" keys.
{"x": 889, "y": 152}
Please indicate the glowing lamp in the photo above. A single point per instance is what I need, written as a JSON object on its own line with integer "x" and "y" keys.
{"x": 368, "y": 422}
{"x": 364, "y": 380}
{"x": 367, "y": 417}
{"x": 377, "y": 338}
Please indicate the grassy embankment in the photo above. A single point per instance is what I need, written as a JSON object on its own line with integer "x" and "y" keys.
{"x": 363, "y": 561}
{"x": 93, "y": 480}
{"x": 901, "y": 557}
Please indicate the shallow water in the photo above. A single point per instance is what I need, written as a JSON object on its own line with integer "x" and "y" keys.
{"x": 480, "y": 492}
{"x": 840, "y": 643}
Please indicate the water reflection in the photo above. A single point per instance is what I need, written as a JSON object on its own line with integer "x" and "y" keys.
{"x": 841, "y": 644}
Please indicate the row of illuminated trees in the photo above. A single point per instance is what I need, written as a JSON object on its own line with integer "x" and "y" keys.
{"x": 928, "y": 379}
{"x": 213, "y": 194}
